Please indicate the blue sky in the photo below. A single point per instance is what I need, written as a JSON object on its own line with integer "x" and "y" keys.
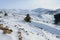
{"x": 29, "y": 4}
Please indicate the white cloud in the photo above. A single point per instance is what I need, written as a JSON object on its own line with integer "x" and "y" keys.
{"x": 50, "y": 4}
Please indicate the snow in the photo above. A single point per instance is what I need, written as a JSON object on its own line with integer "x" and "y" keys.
{"x": 36, "y": 30}
{"x": 4, "y": 37}
{"x": 48, "y": 18}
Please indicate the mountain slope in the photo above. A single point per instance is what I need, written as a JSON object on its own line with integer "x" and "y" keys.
{"x": 36, "y": 30}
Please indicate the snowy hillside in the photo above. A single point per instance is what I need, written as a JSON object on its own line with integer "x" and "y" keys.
{"x": 43, "y": 14}
{"x": 40, "y": 28}
{"x": 36, "y": 30}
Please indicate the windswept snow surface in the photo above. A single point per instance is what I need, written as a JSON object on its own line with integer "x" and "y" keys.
{"x": 36, "y": 30}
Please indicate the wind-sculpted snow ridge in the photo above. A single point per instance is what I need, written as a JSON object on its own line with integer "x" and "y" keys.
{"x": 36, "y": 30}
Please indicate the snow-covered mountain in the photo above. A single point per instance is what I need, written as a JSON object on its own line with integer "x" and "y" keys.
{"x": 40, "y": 28}
{"x": 36, "y": 30}
{"x": 46, "y": 11}
{"x": 43, "y": 14}
{"x": 41, "y": 10}
{"x": 34, "y": 11}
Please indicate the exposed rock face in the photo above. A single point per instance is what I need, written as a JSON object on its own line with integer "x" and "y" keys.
{"x": 57, "y": 18}
{"x": 5, "y": 29}
{"x": 1, "y": 26}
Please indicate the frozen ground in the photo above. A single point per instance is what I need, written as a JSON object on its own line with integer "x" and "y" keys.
{"x": 36, "y": 30}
